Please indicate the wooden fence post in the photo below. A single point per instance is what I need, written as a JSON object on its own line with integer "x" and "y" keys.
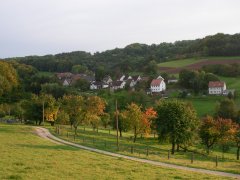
{"x": 147, "y": 151}
{"x": 216, "y": 161}
{"x": 168, "y": 154}
{"x": 192, "y": 158}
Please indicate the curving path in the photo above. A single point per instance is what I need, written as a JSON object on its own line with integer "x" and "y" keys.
{"x": 44, "y": 133}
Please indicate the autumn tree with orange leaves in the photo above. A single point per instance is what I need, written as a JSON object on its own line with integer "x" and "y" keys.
{"x": 139, "y": 121}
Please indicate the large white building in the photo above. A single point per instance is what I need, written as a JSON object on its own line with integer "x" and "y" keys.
{"x": 216, "y": 87}
{"x": 158, "y": 85}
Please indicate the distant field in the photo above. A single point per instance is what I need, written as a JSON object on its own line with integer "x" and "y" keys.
{"x": 24, "y": 155}
{"x": 180, "y": 63}
{"x": 176, "y": 66}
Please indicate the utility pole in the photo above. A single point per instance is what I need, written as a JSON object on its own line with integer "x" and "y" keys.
{"x": 43, "y": 110}
{"x": 117, "y": 125}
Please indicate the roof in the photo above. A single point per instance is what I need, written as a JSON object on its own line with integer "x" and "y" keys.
{"x": 213, "y": 84}
{"x": 156, "y": 82}
{"x": 64, "y": 75}
{"x": 97, "y": 83}
{"x": 117, "y": 83}
{"x": 135, "y": 78}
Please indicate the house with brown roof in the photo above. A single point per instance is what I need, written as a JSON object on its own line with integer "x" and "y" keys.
{"x": 158, "y": 85}
{"x": 118, "y": 85}
{"x": 216, "y": 87}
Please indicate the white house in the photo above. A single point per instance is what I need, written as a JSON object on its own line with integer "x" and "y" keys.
{"x": 66, "y": 82}
{"x": 118, "y": 85}
{"x": 216, "y": 87}
{"x": 158, "y": 85}
{"x": 125, "y": 78}
{"x": 107, "y": 80}
{"x": 95, "y": 85}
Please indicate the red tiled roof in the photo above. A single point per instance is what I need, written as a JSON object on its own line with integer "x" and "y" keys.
{"x": 212, "y": 84}
{"x": 156, "y": 82}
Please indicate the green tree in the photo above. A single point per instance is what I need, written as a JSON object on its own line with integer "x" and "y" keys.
{"x": 62, "y": 118}
{"x": 176, "y": 122}
{"x": 209, "y": 132}
{"x": 82, "y": 84}
{"x": 73, "y": 105}
{"x": 79, "y": 69}
{"x": 227, "y": 131}
{"x": 8, "y": 77}
{"x": 105, "y": 118}
{"x": 226, "y": 109}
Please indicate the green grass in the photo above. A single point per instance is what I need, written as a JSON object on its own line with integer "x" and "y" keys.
{"x": 185, "y": 62}
{"x": 24, "y": 155}
{"x": 205, "y": 105}
{"x": 180, "y": 62}
{"x": 158, "y": 152}
{"x": 231, "y": 82}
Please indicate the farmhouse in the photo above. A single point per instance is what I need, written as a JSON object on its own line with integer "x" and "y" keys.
{"x": 107, "y": 80}
{"x": 118, "y": 85}
{"x": 158, "y": 85}
{"x": 216, "y": 87}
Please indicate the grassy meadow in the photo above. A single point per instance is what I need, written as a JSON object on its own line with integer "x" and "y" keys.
{"x": 106, "y": 140}
{"x": 185, "y": 62}
{"x": 180, "y": 62}
{"x": 24, "y": 155}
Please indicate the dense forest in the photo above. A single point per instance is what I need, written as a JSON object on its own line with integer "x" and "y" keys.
{"x": 137, "y": 57}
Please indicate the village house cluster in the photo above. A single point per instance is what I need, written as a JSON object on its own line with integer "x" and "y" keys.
{"x": 157, "y": 85}
{"x": 68, "y": 79}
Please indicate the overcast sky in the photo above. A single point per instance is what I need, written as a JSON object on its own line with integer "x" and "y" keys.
{"x": 38, "y": 27}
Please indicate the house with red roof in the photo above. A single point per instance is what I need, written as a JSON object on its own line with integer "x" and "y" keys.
{"x": 216, "y": 87}
{"x": 158, "y": 85}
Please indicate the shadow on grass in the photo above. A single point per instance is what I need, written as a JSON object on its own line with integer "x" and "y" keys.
{"x": 51, "y": 147}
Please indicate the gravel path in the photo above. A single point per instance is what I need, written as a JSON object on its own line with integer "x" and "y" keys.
{"x": 44, "y": 133}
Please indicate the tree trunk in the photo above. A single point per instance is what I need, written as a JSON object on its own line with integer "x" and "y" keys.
{"x": 173, "y": 147}
{"x": 75, "y": 129}
{"x": 135, "y": 135}
{"x": 177, "y": 147}
{"x": 238, "y": 150}
{"x": 208, "y": 148}
{"x": 120, "y": 132}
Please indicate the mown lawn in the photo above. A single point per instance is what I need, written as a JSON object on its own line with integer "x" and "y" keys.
{"x": 24, "y": 155}
{"x": 102, "y": 139}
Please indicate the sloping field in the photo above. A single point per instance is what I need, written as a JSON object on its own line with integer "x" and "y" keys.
{"x": 176, "y": 66}
{"x": 24, "y": 155}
